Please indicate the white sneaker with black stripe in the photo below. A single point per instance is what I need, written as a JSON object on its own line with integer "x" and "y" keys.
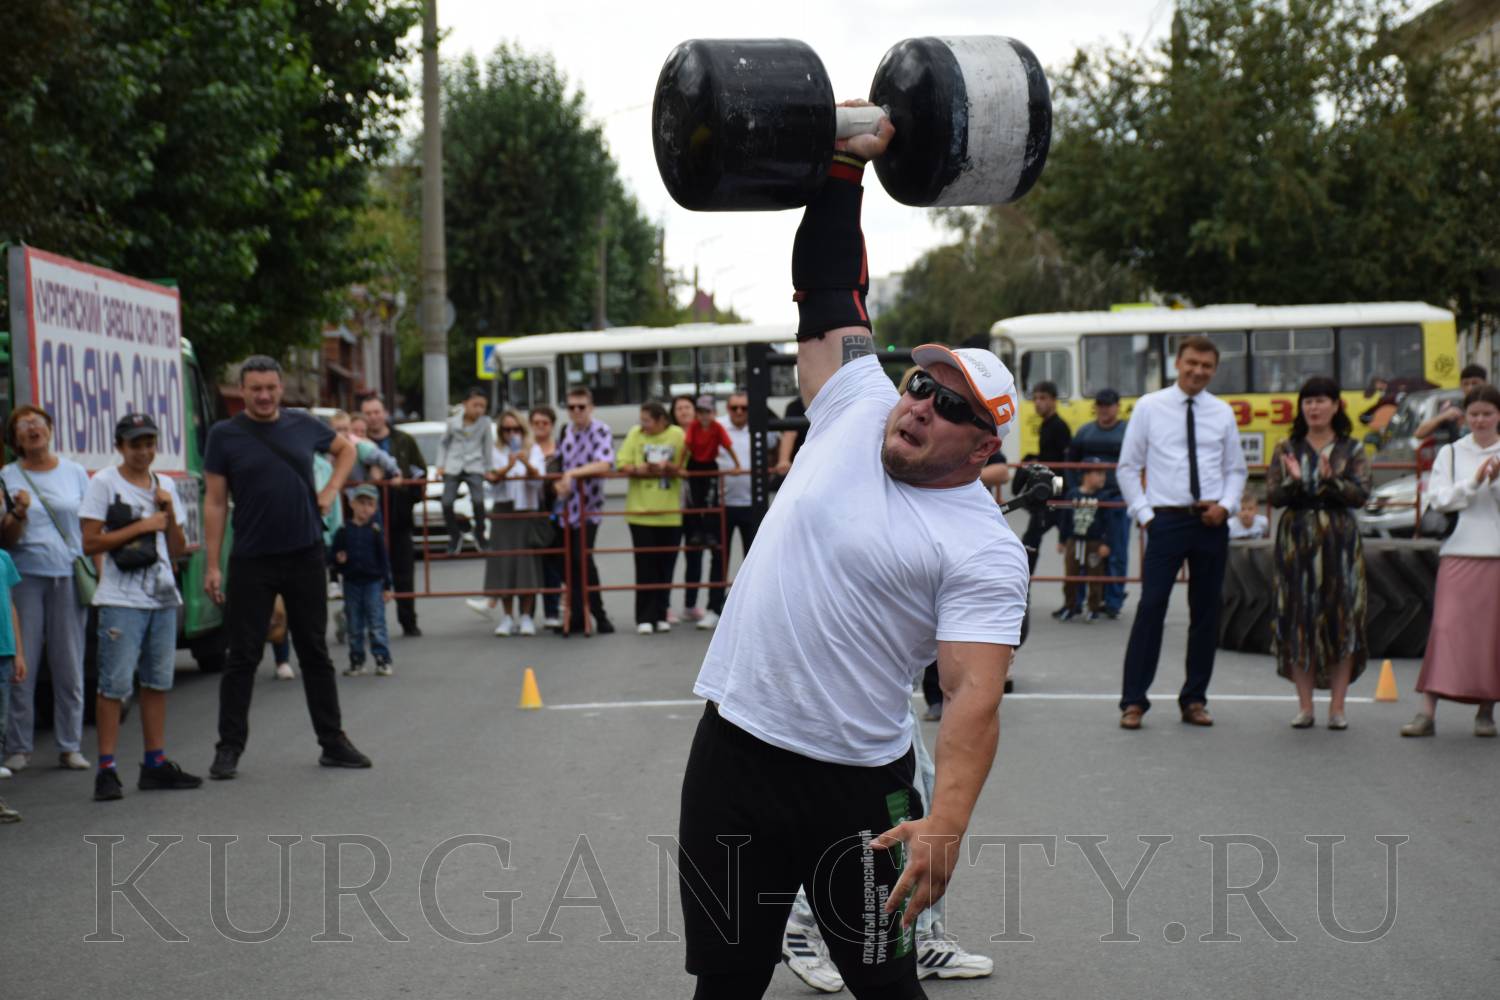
{"x": 945, "y": 959}
{"x": 803, "y": 951}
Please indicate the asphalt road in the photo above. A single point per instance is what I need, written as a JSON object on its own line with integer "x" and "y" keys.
{"x": 547, "y": 810}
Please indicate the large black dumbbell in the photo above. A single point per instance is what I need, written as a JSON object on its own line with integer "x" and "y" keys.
{"x": 743, "y": 125}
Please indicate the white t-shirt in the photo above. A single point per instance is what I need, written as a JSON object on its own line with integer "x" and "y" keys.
{"x": 526, "y": 494}
{"x": 1260, "y": 527}
{"x": 852, "y": 581}
{"x": 737, "y": 488}
{"x": 154, "y": 586}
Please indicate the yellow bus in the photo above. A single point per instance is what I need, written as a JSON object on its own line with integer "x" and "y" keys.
{"x": 1265, "y": 353}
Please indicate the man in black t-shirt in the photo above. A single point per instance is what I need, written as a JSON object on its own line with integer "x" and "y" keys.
{"x": 264, "y": 457}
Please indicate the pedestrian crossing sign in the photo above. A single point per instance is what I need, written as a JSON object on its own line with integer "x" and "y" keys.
{"x": 487, "y": 356}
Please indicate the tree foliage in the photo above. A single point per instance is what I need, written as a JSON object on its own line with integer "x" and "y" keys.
{"x": 223, "y": 144}
{"x": 1001, "y": 264}
{"x": 1282, "y": 151}
{"x": 529, "y": 190}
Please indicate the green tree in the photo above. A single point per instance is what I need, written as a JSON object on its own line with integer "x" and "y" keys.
{"x": 529, "y": 188}
{"x": 1281, "y": 151}
{"x": 223, "y": 144}
{"x": 1001, "y": 264}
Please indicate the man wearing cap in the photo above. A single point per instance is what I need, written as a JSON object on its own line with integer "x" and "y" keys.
{"x": 264, "y": 457}
{"x": 1101, "y": 440}
{"x": 133, "y": 518}
{"x": 881, "y": 553}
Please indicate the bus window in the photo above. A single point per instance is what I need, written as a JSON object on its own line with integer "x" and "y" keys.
{"x": 601, "y": 372}
{"x": 1284, "y": 359}
{"x": 1368, "y": 352}
{"x": 1231, "y": 375}
{"x": 722, "y": 368}
{"x": 527, "y": 387}
{"x": 1047, "y": 366}
{"x": 1130, "y": 364}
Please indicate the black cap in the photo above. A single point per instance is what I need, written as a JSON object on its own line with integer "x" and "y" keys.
{"x": 1106, "y": 397}
{"x": 134, "y": 425}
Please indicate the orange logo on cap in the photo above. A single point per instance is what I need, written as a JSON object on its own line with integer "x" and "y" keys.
{"x": 1004, "y": 409}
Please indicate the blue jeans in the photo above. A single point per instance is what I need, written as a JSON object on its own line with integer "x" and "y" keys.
{"x": 136, "y": 642}
{"x": 1118, "y": 535}
{"x": 1172, "y": 538}
{"x": 7, "y": 671}
{"x": 365, "y": 612}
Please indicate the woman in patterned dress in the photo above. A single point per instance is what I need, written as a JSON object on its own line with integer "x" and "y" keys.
{"x": 1320, "y": 477}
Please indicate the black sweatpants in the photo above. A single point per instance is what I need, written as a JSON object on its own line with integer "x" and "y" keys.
{"x": 758, "y": 821}
{"x": 251, "y": 590}
{"x": 653, "y": 567}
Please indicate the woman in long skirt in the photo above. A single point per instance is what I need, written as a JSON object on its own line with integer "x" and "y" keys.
{"x": 1320, "y": 477}
{"x": 513, "y": 488}
{"x": 1463, "y": 648}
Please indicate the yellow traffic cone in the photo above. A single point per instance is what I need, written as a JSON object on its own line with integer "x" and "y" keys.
{"x": 1385, "y": 690}
{"x": 531, "y": 696}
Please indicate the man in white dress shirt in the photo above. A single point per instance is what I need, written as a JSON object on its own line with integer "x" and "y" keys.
{"x": 1185, "y": 440}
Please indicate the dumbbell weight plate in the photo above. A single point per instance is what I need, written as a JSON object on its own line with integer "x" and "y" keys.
{"x": 743, "y": 125}
{"x": 973, "y": 120}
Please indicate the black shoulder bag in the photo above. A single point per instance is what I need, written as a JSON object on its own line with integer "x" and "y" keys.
{"x": 140, "y": 551}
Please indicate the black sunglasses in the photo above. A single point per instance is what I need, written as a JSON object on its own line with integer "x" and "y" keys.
{"x": 949, "y": 405}
{"x": 578, "y": 406}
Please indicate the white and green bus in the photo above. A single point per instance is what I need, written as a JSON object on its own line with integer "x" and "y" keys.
{"x": 626, "y": 366}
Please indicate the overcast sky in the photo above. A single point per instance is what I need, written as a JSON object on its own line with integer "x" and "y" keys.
{"x": 613, "y": 52}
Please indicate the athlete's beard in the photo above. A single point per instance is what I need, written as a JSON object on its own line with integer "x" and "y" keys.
{"x": 918, "y": 471}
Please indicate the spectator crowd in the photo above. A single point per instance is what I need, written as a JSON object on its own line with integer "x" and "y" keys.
{"x": 1174, "y": 470}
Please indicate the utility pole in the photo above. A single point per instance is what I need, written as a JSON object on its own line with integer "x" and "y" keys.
{"x": 434, "y": 262}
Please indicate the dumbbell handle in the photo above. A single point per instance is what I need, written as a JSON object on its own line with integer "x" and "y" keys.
{"x": 850, "y": 122}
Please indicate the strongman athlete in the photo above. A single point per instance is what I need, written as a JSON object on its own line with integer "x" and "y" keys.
{"x": 882, "y": 553}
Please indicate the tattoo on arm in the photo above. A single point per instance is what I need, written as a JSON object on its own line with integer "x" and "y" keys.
{"x": 857, "y": 345}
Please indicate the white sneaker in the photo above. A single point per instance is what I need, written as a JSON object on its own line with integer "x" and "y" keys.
{"x": 5, "y": 772}
{"x": 555, "y": 623}
{"x": 803, "y": 951}
{"x": 506, "y": 627}
{"x": 663, "y": 626}
{"x": 644, "y": 628}
{"x": 528, "y": 626}
{"x": 946, "y": 960}
{"x": 284, "y": 672}
{"x": 709, "y": 620}
{"x": 481, "y": 607}
{"x": 672, "y": 618}
{"x": 73, "y": 761}
{"x": 18, "y": 761}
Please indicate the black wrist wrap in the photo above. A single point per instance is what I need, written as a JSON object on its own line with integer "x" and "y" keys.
{"x": 829, "y": 270}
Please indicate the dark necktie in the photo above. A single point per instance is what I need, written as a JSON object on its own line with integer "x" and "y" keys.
{"x": 1192, "y": 445}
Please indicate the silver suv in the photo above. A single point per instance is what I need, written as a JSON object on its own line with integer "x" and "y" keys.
{"x": 1391, "y": 511}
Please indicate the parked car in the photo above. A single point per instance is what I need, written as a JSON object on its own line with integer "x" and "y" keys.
{"x": 1391, "y": 512}
{"x": 1399, "y": 441}
{"x": 428, "y": 433}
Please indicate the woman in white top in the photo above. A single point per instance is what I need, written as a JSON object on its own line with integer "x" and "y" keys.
{"x": 513, "y": 488}
{"x": 1463, "y": 648}
{"x": 44, "y": 542}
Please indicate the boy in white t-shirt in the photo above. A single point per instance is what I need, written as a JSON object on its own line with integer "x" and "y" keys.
{"x": 1249, "y": 522}
{"x": 133, "y": 518}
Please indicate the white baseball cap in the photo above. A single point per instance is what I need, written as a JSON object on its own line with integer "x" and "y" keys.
{"x": 992, "y": 383}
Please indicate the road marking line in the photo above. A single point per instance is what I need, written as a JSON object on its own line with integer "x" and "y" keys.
{"x": 1036, "y": 696}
